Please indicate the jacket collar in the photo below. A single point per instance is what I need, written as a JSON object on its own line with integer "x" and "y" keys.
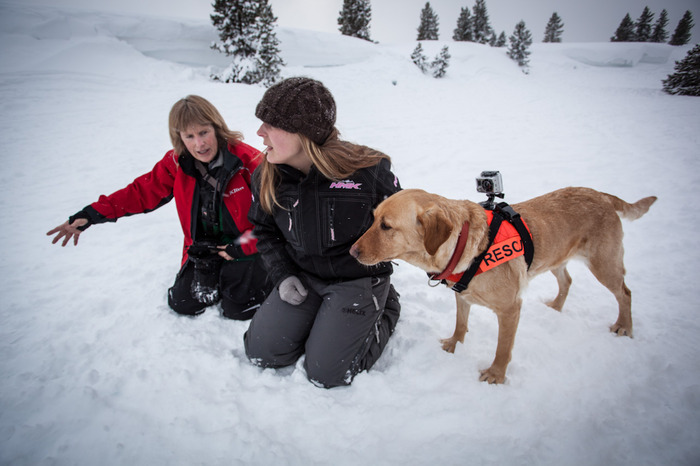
{"x": 231, "y": 163}
{"x": 297, "y": 175}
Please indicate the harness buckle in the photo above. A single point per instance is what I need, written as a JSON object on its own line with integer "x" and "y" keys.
{"x": 459, "y": 287}
{"x": 508, "y": 212}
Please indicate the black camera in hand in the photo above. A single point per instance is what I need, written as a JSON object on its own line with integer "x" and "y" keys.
{"x": 207, "y": 264}
{"x": 203, "y": 249}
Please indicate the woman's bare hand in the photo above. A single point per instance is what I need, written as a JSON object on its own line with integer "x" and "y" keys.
{"x": 67, "y": 231}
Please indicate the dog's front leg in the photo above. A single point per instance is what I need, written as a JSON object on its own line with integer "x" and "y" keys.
{"x": 461, "y": 327}
{"x": 508, "y": 319}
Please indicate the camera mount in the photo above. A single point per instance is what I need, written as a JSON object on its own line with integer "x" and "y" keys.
{"x": 490, "y": 203}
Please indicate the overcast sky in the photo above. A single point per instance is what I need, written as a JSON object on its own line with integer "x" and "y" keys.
{"x": 397, "y": 20}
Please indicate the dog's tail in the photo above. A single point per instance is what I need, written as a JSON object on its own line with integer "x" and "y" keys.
{"x": 631, "y": 211}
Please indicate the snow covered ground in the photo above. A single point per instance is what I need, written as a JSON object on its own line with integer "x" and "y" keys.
{"x": 96, "y": 370}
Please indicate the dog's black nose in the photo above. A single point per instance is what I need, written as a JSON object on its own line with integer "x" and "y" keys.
{"x": 355, "y": 251}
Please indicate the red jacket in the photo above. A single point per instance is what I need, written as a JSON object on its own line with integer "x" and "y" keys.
{"x": 176, "y": 176}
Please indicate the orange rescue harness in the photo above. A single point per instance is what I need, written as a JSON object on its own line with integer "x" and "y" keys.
{"x": 508, "y": 240}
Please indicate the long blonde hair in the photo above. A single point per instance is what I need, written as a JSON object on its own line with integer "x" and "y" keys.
{"x": 196, "y": 110}
{"x": 335, "y": 159}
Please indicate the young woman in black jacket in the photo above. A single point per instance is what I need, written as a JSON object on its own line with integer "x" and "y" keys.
{"x": 313, "y": 198}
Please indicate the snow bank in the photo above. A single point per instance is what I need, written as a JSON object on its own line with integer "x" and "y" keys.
{"x": 619, "y": 54}
{"x": 314, "y": 49}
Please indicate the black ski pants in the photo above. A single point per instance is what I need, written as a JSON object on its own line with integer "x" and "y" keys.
{"x": 243, "y": 284}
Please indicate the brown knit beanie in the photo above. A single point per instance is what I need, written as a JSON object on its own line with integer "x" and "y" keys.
{"x": 299, "y": 105}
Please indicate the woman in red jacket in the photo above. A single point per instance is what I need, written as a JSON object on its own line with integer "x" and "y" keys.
{"x": 208, "y": 172}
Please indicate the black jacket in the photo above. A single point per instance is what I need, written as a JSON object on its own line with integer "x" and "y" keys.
{"x": 319, "y": 221}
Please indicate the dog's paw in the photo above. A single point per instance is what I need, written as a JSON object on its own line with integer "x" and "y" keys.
{"x": 449, "y": 344}
{"x": 621, "y": 330}
{"x": 555, "y": 304}
{"x": 493, "y": 375}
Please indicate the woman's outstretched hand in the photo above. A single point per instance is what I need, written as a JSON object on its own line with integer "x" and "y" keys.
{"x": 67, "y": 231}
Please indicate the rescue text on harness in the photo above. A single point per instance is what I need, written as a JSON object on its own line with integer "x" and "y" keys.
{"x": 507, "y": 240}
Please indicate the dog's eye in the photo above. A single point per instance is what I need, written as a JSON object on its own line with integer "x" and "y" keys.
{"x": 384, "y": 226}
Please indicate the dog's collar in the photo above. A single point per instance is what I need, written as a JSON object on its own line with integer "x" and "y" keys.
{"x": 461, "y": 243}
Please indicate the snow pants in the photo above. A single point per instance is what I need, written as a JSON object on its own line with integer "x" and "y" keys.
{"x": 243, "y": 284}
{"x": 341, "y": 327}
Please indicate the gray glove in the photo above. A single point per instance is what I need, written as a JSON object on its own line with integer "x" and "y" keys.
{"x": 292, "y": 291}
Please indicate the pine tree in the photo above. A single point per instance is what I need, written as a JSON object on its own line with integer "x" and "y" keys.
{"x": 659, "y": 33}
{"x": 428, "y": 28}
{"x": 681, "y": 35}
{"x": 235, "y": 20}
{"x": 354, "y": 19}
{"x": 420, "y": 60}
{"x": 492, "y": 38}
{"x": 441, "y": 62}
{"x": 642, "y": 31}
{"x": 502, "y": 41}
{"x": 480, "y": 21}
{"x": 625, "y": 31}
{"x": 686, "y": 79}
{"x": 268, "y": 59}
{"x": 520, "y": 42}
{"x": 246, "y": 33}
{"x": 554, "y": 29}
{"x": 463, "y": 32}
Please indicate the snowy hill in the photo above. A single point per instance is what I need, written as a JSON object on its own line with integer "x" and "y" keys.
{"x": 97, "y": 370}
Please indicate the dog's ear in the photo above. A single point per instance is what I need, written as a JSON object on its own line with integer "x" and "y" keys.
{"x": 436, "y": 229}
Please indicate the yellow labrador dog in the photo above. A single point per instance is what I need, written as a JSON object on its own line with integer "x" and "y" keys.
{"x": 423, "y": 229}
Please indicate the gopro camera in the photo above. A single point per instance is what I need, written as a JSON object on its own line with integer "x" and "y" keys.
{"x": 490, "y": 182}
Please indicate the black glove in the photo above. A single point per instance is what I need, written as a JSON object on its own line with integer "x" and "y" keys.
{"x": 82, "y": 214}
{"x": 235, "y": 251}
